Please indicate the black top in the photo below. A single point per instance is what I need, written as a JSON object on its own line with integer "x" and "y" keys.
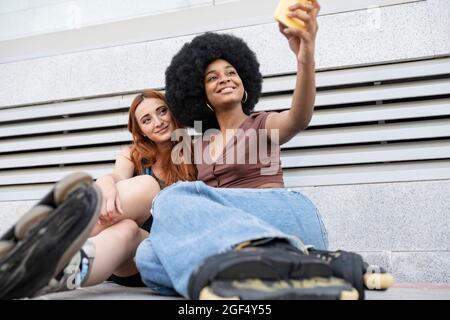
{"x": 148, "y": 171}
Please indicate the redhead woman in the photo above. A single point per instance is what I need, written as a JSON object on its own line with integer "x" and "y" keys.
{"x": 38, "y": 262}
{"x": 140, "y": 172}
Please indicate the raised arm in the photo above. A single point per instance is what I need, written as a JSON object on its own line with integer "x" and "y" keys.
{"x": 302, "y": 43}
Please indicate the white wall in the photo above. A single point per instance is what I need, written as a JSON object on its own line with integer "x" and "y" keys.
{"x": 345, "y": 39}
{"x": 24, "y": 18}
{"x": 30, "y": 29}
{"x": 27, "y": 18}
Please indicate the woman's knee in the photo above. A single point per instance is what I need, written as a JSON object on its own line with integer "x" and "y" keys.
{"x": 128, "y": 232}
{"x": 139, "y": 187}
{"x": 136, "y": 195}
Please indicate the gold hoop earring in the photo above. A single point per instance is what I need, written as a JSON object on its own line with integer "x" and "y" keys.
{"x": 246, "y": 96}
{"x": 209, "y": 107}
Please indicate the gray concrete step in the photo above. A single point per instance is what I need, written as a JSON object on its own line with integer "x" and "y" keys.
{"x": 112, "y": 291}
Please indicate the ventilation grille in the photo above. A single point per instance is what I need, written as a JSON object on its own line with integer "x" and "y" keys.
{"x": 385, "y": 123}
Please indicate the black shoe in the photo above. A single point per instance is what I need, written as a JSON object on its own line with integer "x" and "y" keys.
{"x": 43, "y": 241}
{"x": 266, "y": 269}
{"x": 345, "y": 265}
{"x": 351, "y": 267}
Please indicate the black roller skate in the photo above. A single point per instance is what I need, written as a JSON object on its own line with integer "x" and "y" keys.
{"x": 270, "y": 269}
{"x": 44, "y": 240}
{"x": 351, "y": 267}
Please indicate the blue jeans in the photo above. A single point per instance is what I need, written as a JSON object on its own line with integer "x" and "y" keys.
{"x": 193, "y": 221}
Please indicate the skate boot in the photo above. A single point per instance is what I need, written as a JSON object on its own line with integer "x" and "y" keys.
{"x": 351, "y": 267}
{"x": 267, "y": 269}
{"x": 75, "y": 273}
{"x": 37, "y": 248}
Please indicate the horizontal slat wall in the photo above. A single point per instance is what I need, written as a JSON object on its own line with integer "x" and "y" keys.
{"x": 65, "y": 140}
{"x": 366, "y": 154}
{"x": 398, "y": 71}
{"x": 45, "y": 175}
{"x": 372, "y": 124}
{"x": 63, "y": 108}
{"x": 365, "y": 94}
{"x": 58, "y": 157}
{"x": 375, "y": 173}
{"x": 49, "y": 126}
{"x": 372, "y": 133}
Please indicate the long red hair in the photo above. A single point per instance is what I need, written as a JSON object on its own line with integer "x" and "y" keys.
{"x": 144, "y": 150}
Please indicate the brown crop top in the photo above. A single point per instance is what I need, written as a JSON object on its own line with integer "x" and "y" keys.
{"x": 250, "y": 159}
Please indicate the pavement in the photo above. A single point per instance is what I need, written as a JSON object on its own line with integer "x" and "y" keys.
{"x": 112, "y": 291}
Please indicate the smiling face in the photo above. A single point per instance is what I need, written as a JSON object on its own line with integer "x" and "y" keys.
{"x": 223, "y": 86}
{"x": 155, "y": 120}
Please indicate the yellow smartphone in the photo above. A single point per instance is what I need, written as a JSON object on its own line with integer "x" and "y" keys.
{"x": 283, "y": 9}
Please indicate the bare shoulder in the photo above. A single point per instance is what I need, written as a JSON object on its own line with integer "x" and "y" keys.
{"x": 125, "y": 152}
{"x": 124, "y": 166}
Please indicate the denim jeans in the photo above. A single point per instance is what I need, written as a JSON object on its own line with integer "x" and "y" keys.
{"x": 193, "y": 221}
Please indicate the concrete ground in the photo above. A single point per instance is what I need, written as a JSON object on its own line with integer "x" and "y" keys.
{"x": 112, "y": 291}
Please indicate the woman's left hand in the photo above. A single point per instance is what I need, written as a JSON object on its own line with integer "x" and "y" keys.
{"x": 302, "y": 41}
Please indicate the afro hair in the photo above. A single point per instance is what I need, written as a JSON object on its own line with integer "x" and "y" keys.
{"x": 185, "y": 89}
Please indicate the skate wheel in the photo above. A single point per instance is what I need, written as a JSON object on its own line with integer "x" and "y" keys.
{"x": 5, "y": 247}
{"x": 64, "y": 187}
{"x": 378, "y": 281}
{"x": 29, "y": 220}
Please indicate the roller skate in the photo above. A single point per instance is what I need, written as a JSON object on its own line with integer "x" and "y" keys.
{"x": 268, "y": 270}
{"x": 44, "y": 240}
{"x": 351, "y": 267}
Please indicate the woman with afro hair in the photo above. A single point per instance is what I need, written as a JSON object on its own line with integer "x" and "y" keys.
{"x": 237, "y": 222}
